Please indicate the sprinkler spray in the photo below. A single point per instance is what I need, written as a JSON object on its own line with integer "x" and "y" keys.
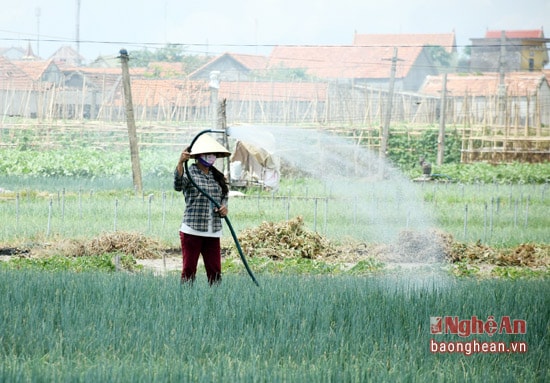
{"x": 217, "y": 204}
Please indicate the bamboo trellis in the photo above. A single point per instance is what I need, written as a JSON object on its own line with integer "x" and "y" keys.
{"x": 522, "y": 135}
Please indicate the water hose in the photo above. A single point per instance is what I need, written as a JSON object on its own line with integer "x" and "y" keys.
{"x": 217, "y": 204}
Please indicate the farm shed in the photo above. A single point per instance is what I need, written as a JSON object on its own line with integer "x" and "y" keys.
{"x": 253, "y": 165}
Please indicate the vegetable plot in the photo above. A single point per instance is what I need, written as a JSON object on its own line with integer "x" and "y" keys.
{"x": 127, "y": 328}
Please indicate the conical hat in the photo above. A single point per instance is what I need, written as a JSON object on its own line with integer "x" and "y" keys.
{"x": 206, "y": 144}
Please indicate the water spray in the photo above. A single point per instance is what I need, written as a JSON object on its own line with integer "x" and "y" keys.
{"x": 217, "y": 204}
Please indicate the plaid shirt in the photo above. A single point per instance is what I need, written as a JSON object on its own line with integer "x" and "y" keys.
{"x": 198, "y": 208}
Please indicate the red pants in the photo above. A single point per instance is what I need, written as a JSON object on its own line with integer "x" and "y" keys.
{"x": 191, "y": 248}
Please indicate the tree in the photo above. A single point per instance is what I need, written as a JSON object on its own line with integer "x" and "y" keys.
{"x": 440, "y": 56}
{"x": 464, "y": 59}
{"x": 139, "y": 59}
{"x": 284, "y": 74}
{"x": 169, "y": 53}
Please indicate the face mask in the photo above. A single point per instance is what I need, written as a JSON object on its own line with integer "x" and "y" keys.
{"x": 207, "y": 159}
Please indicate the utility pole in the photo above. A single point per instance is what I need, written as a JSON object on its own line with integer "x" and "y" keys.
{"x": 443, "y": 112}
{"x": 387, "y": 119}
{"x": 77, "y": 35}
{"x": 501, "y": 82}
{"x": 134, "y": 149}
{"x": 37, "y": 13}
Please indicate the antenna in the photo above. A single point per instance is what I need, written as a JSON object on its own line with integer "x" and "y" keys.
{"x": 37, "y": 13}
{"x": 77, "y": 35}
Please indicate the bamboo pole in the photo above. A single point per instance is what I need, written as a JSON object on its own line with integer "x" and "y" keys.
{"x": 537, "y": 114}
{"x": 27, "y": 103}
{"x": 52, "y": 102}
{"x": 83, "y": 99}
{"x": 527, "y": 113}
{"x": 366, "y": 115}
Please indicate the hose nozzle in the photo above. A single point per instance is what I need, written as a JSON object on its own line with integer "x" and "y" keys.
{"x": 217, "y": 131}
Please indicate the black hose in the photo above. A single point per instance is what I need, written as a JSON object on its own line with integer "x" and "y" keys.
{"x": 217, "y": 204}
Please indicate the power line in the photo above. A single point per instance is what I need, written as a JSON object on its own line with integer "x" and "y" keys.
{"x": 231, "y": 45}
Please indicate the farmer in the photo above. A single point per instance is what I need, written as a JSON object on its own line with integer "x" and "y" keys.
{"x": 201, "y": 227}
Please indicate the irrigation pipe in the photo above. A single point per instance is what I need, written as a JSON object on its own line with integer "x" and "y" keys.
{"x": 217, "y": 204}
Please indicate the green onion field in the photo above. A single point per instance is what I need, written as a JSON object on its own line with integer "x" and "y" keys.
{"x": 331, "y": 305}
{"x": 140, "y": 328}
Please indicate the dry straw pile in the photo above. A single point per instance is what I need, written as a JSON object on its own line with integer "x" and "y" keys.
{"x": 286, "y": 239}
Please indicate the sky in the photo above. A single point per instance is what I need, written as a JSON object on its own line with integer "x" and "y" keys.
{"x": 249, "y": 26}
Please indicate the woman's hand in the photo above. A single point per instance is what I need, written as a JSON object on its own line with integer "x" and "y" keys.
{"x": 184, "y": 157}
{"x": 222, "y": 211}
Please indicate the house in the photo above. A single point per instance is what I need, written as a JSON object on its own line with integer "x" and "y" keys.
{"x": 97, "y": 88}
{"x": 365, "y": 65}
{"x": 40, "y": 70}
{"x": 267, "y": 91}
{"x": 20, "y": 95}
{"x": 170, "y": 99}
{"x": 29, "y": 54}
{"x": 275, "y": 102}
{"x": 66, "y": 55}
{"x": 476, "y": 97}
{"x": 517, "y": 50}
{"x": 98, "y": 77}
{"x": 105, "y": 62}
{"x": 232, "y": 67}
{"x": 517, "y": 84}
{"x": 249, "y": 101}
{"x": 13, "y": 78}
{"x": 12, "y": 53}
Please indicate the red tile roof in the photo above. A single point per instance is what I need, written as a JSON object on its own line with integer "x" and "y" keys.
{"x": 486, "y": 84}
{"x": 445, "y": 40}
{"x": 252, "y": 62}
{"x": 273, "y": 91}
{"x": 34, "y": 69}
{"x": 348, "y": 62}
{"x": 521, "y": 34}
{"x": 13, "y": 78}
{"x": 197, "y": 93}
{"x": 147, "y": 92}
